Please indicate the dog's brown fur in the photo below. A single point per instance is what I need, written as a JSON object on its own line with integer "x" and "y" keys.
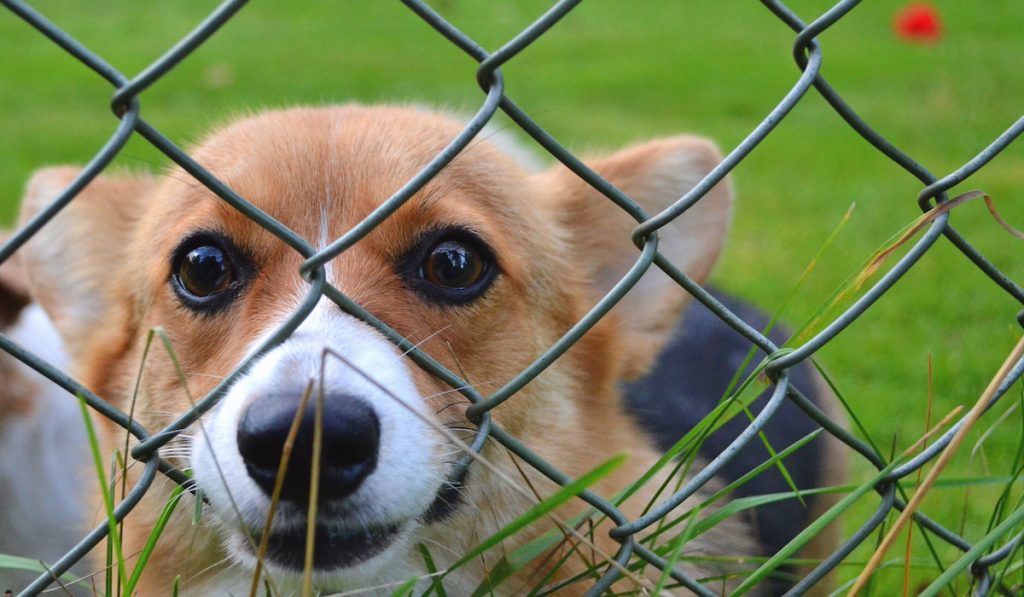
{"x": 101, "y": 270}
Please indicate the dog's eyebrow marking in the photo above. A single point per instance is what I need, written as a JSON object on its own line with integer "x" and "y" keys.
{"x": 324, "y": 238}
{"x": 329, "y": 172}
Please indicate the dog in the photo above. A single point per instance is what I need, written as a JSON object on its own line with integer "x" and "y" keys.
{"x": 42, "y": 439}
{"x": 484, "y": 269}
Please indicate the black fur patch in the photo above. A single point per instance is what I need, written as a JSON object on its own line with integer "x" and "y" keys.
{"x": 688, "y": 381}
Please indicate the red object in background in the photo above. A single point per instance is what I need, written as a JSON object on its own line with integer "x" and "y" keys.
{"x": 918, "y": 23}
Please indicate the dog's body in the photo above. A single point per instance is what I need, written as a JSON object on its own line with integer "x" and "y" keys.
{"x": 42, "y": 440}
{"x": 688, "y": 380}
{"x": 485, "y": 268}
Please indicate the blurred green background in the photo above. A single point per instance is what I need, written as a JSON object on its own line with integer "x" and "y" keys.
{"x": 616, "y": 72}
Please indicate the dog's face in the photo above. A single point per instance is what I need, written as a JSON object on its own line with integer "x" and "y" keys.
{"x": 485, "y": 268}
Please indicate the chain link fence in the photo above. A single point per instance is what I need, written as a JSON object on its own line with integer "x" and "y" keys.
{"x": 979, "y": 557}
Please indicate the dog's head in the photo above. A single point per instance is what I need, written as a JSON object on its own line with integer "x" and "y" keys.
{"x": 484, "y": 268}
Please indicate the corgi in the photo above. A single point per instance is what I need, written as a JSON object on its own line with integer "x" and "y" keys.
{"x": 42, "y": 438}
{"x": 484, "y": 269}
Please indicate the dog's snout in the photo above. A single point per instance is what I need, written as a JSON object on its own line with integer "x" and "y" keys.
{"x": 351, "y": 434}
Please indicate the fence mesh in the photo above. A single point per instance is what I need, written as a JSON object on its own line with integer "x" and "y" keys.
{"x": 807, "y": 53}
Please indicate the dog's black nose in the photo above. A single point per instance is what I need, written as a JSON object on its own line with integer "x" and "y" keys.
{"x": 351, "y": 433}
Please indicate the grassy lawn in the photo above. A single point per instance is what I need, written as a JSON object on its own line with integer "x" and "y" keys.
{"x": 615, "y": 72}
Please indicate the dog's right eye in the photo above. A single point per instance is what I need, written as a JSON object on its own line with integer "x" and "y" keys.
{"x": 207, "y": 272}
{"x": 449, "y": 266}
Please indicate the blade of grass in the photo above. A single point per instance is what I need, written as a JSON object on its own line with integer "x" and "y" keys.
{"x": 852, "y": 416}
{"x": 801, "y": 279}
{"x": 677, "y": 552}
{"x": 738, "y": 505}
{"x": 742, "y": 481}
{"x": 857, "y": 424}
{"x": 808, "y": 269}
{"x": 708, "y": 425}
{"x": 777, "y": 461}
{"x": 108, "y": 502}
{"x": 1013, "y": 563}
{"x": 405, "y": 589}
{"x": 968, "y": 559}
{"x": 31, "y": 565}
{"x": 763, "y": 467}
{"x": 999, "y": 219}
{"x": 197, "y": 511}
{"x": 1001, "y": 571}
{"x": 498, "y": 574}
{"x": 128, "y": 436}
{"x": 1017, "y": 469}
{"x": 117, "y": 463}
{"x": 551, "y": 537}
{"x": 165, "y": 341}
{"x": 314, "y": 491}
{"x": 435, "y": 583}
{"x": 852, "y": 285}
{"x": 556, "y": 499}
{"x": 920, "y": 471}
{"x": 154, "y": 535}
{"x": 832, "y": 513}
{"x": 811, "y": 266}
{"x": 517, "y": 559}
{"x": 275, "y": 497}
{"x": 969, "y": 420}
{"x": 56, "y": 579}
{"x": 109, "y": 568}
{"x": 585, "y": 518}
{"x": 811, "y": 531}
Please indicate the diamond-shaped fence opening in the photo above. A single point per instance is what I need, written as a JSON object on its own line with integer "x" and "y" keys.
{"x": 980, "y": 556}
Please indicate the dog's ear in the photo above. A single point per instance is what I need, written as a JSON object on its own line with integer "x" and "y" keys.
{"x": 71, "y": 261}
{"x": 655, "y": 175}
{"x": 14, "y": 295}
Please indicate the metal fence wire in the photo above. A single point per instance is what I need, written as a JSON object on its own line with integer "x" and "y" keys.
{"x": 808, "y": 56}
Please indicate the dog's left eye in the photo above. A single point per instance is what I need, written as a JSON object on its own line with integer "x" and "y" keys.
{"x": 207, "y": 271}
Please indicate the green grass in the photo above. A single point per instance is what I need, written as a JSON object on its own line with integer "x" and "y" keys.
{"x": 616, "y": 72}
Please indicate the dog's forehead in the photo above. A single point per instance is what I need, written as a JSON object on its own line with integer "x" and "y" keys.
{"x": 320, "y": 171}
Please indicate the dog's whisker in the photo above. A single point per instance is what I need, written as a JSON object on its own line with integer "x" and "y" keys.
{"x": 219, "y": 563}
{"x": 425, "y": 340}
{"x": 458, "y": 391}
{"x": 463, "y": 429}
{"x": 152, "y": 411}
{"x": 441, "y": 409}
{"x": 451, "y": 551}
{"x": 209, "y": 375}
